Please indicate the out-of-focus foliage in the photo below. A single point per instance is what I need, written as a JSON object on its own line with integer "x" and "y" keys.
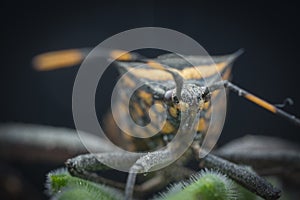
{"x": 206, "y": 185}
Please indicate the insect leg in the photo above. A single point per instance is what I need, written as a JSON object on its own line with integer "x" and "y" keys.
{"x": 144, "y": 164}
{"x": 162, "y": 178}
{"x": 267, "y": 155}
{"x": 85, "y": 166}
{"x": 242, "y": 175}
{"x": 258, "y": 101}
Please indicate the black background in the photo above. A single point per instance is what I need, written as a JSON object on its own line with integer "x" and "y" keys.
{"x": 268, "y": 31}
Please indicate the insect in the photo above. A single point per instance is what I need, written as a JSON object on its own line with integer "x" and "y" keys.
{"x": 171, "y": 81}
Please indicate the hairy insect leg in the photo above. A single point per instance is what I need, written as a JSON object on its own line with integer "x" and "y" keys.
{"x": 241, "y": 174}
{"x": 258, "y": 101}
{"x": 267, "y": 155}
{"x": 144, "y": 164}
{"x": 86, "y": 166}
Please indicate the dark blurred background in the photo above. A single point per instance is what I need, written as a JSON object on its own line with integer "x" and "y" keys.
{"x": 268, "y": 31}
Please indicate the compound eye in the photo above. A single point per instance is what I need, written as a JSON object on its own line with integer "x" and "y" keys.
{"x": 168, "y": 96}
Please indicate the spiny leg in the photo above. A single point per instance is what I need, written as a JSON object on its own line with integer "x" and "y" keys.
{"x": 85, "y": 166}
{"x": 171, "y": 173}
{"x": 268, "y": 156}
{"x": 242, "y": 175}
{"x": 263, "y": 153}
{"x": 258, "y": 101}
{"x": 144, "y": 164}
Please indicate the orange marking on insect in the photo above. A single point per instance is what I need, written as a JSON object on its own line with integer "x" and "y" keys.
{"x": 159, "y": 106}
{"x": 173, "y": 112}
{"x": 261, "y": 102}
{"x": 182, "y": 106}
{"x": 168, "y": 128}
{"x": 153, "y": 116}
{"x": 121, "y": 55}
{"x": 57, "y": 59}
{"x": 128, "y": 81}
{"x": 206, "y": 105}
{"x": 202, "y": 125}
{"x": 147, "y": 97}
{"x": 151, "y": 74}
{"x": 159, "y": 73}
{"x": 155, "y": 65}
{"x": 227, "y": 74}
{"x": 198, "y": 72}
{"x": 138, "y": 109}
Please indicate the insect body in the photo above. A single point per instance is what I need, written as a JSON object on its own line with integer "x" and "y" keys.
{"x": 159, "y": 89}
{"x": 170, "y": 83}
